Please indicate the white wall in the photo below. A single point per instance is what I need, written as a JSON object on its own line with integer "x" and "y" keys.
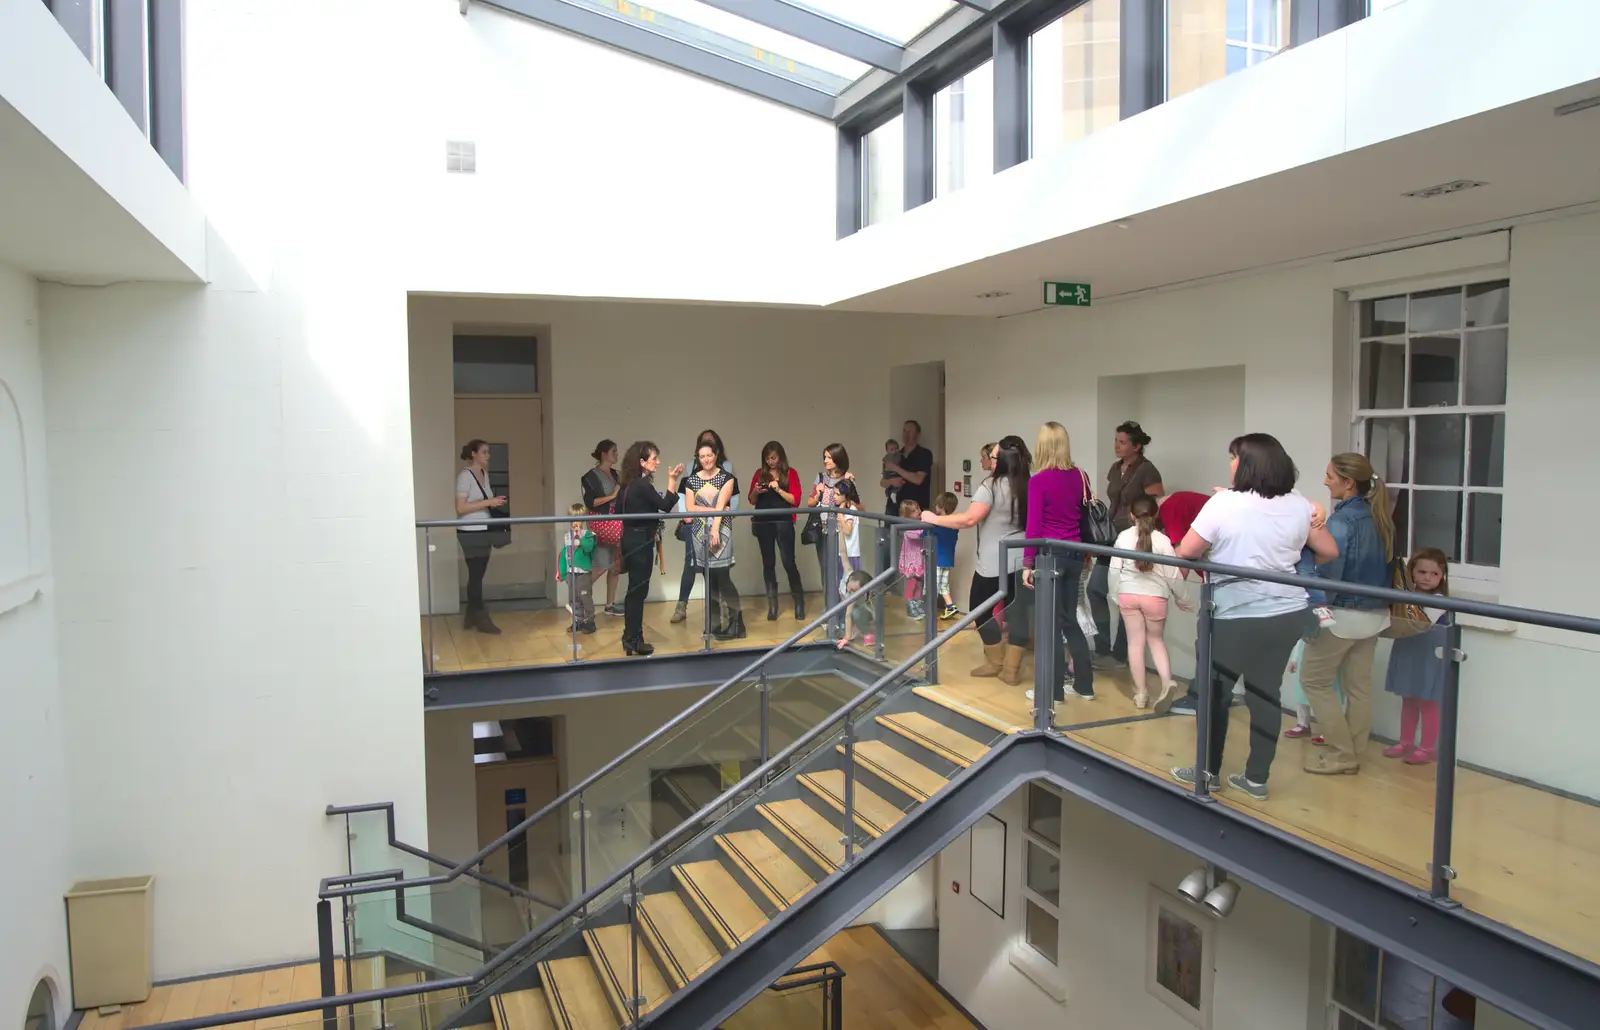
{"x": 34, "y": 785}
{"x": 1266, "y": 974}
{"x": 1191, "y": 417}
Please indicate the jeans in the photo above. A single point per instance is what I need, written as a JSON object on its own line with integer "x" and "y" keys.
{"x": 775, "y": 538}
{"x": 1076, "y": 642}
{"x": 1100, "y": 608}
{"x": 639, "y": 560}
{"x": 475, "y": 548}
{"x": 1255, "y": 651}
{"x": 690, "y": 569}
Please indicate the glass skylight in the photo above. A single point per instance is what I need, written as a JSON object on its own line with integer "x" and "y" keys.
{"x": 898, "y": 21}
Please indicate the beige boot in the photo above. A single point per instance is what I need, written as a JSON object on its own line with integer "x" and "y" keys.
{"x": 1011, "y": 671}
{"x": 993, "y": 656}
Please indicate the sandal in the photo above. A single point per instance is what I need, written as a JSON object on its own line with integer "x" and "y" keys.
{"x": 1141, "y": 699}
{"x": 1398, "y": 751}
{"x": 1297, "y": 731}
{"x": 1419, "y": 757}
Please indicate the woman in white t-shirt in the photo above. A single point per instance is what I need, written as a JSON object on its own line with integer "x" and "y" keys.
{"x": 1259, "y": 523}
{"x": 473, "y": 501}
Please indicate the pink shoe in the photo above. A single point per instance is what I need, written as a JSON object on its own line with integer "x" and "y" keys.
{"x": 1296, "y": 731}
{"x": 866, "y": 640}
{"x": 1419, "y": 757}
{"x": 1398, "y": 751}
{"x": 1320, "y": 741}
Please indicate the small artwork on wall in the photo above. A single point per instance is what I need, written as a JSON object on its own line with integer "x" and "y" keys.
{"x": 1180, "y": 956}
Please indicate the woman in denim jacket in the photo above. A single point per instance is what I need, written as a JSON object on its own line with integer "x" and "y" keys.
{"x": 1362, "y": 526}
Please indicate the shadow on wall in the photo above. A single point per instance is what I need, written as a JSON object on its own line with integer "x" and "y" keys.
{"x": 16, "y": 531}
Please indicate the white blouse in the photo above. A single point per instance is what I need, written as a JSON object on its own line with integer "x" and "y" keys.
{"x": 1127, "y": 578}
{"x": 469, "y": 489}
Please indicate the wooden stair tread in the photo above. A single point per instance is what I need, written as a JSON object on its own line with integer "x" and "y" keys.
{"x": 978, "y": 715}
{"x": 873, "y": 813}
{"x": 681, "y": 947}
{"x": 614, "y": 950}
{"x": 808, "y": 829}
{"x": 773, "y": 872}
{"x": 903, "y": 772}
{"x": 521, "y": 1010}
{"x": 576, "y": 999}
{"x": 718, "y": 895}
{"x": 951, "y": 745}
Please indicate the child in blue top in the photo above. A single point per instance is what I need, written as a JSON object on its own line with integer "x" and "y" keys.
{"x": 945, "y": 504}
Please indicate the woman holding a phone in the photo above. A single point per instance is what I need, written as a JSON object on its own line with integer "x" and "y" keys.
{"x": 777, "y": 486}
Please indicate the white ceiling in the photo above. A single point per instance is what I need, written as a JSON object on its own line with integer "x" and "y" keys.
{"x": 1531, "y": 160}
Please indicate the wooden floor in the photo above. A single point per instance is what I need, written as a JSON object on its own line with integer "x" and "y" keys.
{"x": 1523, "y": 856}
{"x": 880, "y": 990}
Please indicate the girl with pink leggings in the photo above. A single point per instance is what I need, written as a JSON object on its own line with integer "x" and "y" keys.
{"x": 1142, "y": 590}
{"x": 1415, "y": 673}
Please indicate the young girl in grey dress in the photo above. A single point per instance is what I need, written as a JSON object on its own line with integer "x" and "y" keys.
{"x": 1415, "y": 673}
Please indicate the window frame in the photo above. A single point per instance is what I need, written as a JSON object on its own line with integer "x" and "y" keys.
{"x": 1334, "y": 1009}
{"x": 1460, "y": 568}
{"x": 1029, "y": 895}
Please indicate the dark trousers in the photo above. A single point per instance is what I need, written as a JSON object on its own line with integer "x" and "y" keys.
{"x": 775, "y": 538}
{"x": 1075, "y": 643}
{"x": 639, "y": 560}
{"x": 721, "y": 588}
{"x": 1019, "y": 609}
{"x": 1255, "y": 651}
{"x": 1100, "y": 608}
{"x": 475, "y": 548}
{"x": 686, "y": 581}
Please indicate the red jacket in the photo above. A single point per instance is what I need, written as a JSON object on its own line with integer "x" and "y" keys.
{"x": 1177, "y": 514}
{"x": 792, "y": 488}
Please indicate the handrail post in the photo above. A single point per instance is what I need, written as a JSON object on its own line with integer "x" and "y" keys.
{"x": 705, "y": 584}
{"x": 1204, "y": 678}
{"x": 427, "y": 575}
{"x": 885, "y": 553}
{"x": 330, "y": 987}
{"x": 831, "y": 575}
{"x": 633, "y": 944}
{"x": 930, "y": 597}
{"x": 1444, "y": 804}
{"x": 836, "y": 1002}
{"x": 848, "y": 838}
{"x": 583, "y": 847}
{"x": 764, "y": 689}
{"x": 1047, "y": 672}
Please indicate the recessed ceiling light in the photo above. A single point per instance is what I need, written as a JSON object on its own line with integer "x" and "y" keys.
{"x": 1578, "y": 105}
{"x": 992, "y": 294}
{"x": 1124, "y": 223}
{"x": 1454, "y": 186}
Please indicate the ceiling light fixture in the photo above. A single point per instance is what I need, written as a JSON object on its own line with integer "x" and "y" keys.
{"x": 1454, "y": 186}
{"x": 1210, "y": 888}
{"x": 992, "y": 294}
{"x": 1577, "y": 105}
{"x": 1123, "y": 223}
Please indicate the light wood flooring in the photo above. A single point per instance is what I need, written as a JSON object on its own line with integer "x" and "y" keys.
{"x": 217, "y": 995}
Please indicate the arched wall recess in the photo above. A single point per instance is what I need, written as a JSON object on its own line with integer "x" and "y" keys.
{"x": 20, "y": 572}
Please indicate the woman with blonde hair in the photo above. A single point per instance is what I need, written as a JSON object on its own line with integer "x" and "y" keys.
{"x": 1055, "y": 505}
{"x": 1363, "y": 528}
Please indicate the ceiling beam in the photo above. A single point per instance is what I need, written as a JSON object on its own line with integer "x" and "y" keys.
{"x": 980, "y": 5}
{"x": 641, "y": 41}
{"x": 820, "y": 29}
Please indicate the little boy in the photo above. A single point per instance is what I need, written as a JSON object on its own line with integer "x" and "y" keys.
{"x": 891, "y": 456}
{"x": 945, "y": 504}
{"x": 860, "y": 610}
{"x": 576, "y": 567}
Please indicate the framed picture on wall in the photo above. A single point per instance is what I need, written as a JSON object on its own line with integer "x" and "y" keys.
{"x": 1180, "y": 956}
{"x": 988, "y": 868}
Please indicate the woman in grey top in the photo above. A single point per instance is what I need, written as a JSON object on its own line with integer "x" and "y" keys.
{"x": 1131, "y": 475}
{"x": 999, "y": 510}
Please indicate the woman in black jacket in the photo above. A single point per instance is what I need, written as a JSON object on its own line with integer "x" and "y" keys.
{"x": 637, "y": 496}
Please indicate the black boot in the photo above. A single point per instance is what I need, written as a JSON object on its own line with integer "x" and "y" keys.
{"x": 799, "y": 606}
{"x": 639, "y": 647}
{"x": 772, "y": 602}
{"x": 734, "y": 630}
{"x": 486, "y": 624}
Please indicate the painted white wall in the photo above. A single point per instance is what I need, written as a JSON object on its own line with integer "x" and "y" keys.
{"x": 34, "y": 784}
{"x": 1191, "y": 417}
{"x": 1265, "y": 973}
{"x": 915, "y": 392}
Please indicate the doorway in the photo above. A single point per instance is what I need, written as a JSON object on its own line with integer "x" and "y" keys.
{"x": 518, "y": 772}
{"x": 916, "y": 392}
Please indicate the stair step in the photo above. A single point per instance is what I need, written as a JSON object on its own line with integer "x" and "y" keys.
{"x": 808, "y": 829}
{"x": 576, "y": 999}
{"x": 718, "y": 895}
{"x": 614, "y": 951}
{"x": 872, "y": 812}
{"x": 902, "y": 771}
{"x": 982, "y": 716}
{"x": 682, "y": 948}
{"x": 521, "y": 1010}
{"x": 949, "y": 744}
{"x": 774, "y": 873}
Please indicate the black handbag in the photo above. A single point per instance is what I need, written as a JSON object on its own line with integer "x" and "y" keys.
{"x": 496, "y": 536}
{"x": 1094, "y": 518}
{"x": 812, "y": 531}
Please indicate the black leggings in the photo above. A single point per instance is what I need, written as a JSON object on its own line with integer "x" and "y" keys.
{"x": 1019, "y": 609}
{"x": 476, "y": 552}
{"x": 1075, "y": 642}
{"x": 774, "y": 538}
{"x": 722, "y": 590}
{"x": 1255, "y": 651}
{"x": 639, "y": 559}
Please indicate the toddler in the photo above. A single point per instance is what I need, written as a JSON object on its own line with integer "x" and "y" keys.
{"x": 575, "y": 566}
{"x": 860, "y": 610}
{"x": 1414, "y": 672}
{"x": 891, "y": 456}
{"x": 945, "y": 504}
{"x": 1142, "y": 589}
{"x": 913, "y": 566}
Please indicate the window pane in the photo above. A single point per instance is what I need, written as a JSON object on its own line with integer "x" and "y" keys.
{"x": 1385, "y": 316}
{"x": 1400, "y": 512}
{"x": 1349, "y": 1022}
{"x": 1489, "y": 303}
{"x": 1044, "y": 814}
{"x": 1207, "y": 40}
{"x": 1483, "y": 528}
{"x": 1389, "y": 448}
{"x": 1488, "y": 466}
{"x": 1486, "y": 368}
{"x": 1441, "y": 445}
{"x": 1436, "y": 309}
{"x": 1355, "y": 974}
{"x": 496, "y": 364}
{"x": 1406, "y": 999}
{"x": 1042, "y": 931}
{"x": 1383, "y": 375}
{"x": 1435, "y": 371}
{"x": 1074, "y": 78}
{"x": 1043, "y": 872}
{"x": 1437, "y": 517}
{"x": 963, "y": 131}
{"x": 882, "y": 169}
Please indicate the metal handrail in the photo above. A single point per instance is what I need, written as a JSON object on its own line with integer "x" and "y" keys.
{"x": 738, "y": 679}
{"x": 668, "y": 516}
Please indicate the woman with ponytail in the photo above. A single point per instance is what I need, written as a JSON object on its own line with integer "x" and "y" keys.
{"x": 1362, "y": 525}
{"x": 1141, "y": 589}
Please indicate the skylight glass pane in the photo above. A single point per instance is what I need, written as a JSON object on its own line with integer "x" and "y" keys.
{"x": 742, "y": 39}
{"x": 896, "y": 20}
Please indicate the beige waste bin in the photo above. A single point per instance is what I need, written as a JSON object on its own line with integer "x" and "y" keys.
{"x": 109, "y": 941}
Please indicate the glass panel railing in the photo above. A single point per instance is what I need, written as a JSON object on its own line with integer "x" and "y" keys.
{"x": 810, "y": 998}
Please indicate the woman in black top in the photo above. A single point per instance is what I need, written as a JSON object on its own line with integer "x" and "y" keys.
{"x": 776, "y": 485}
{"x": 637, "y": 497}
{"x": 599, "y": 486}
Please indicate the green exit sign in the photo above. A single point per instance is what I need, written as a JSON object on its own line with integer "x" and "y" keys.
{"x": 1072, "y": 295}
